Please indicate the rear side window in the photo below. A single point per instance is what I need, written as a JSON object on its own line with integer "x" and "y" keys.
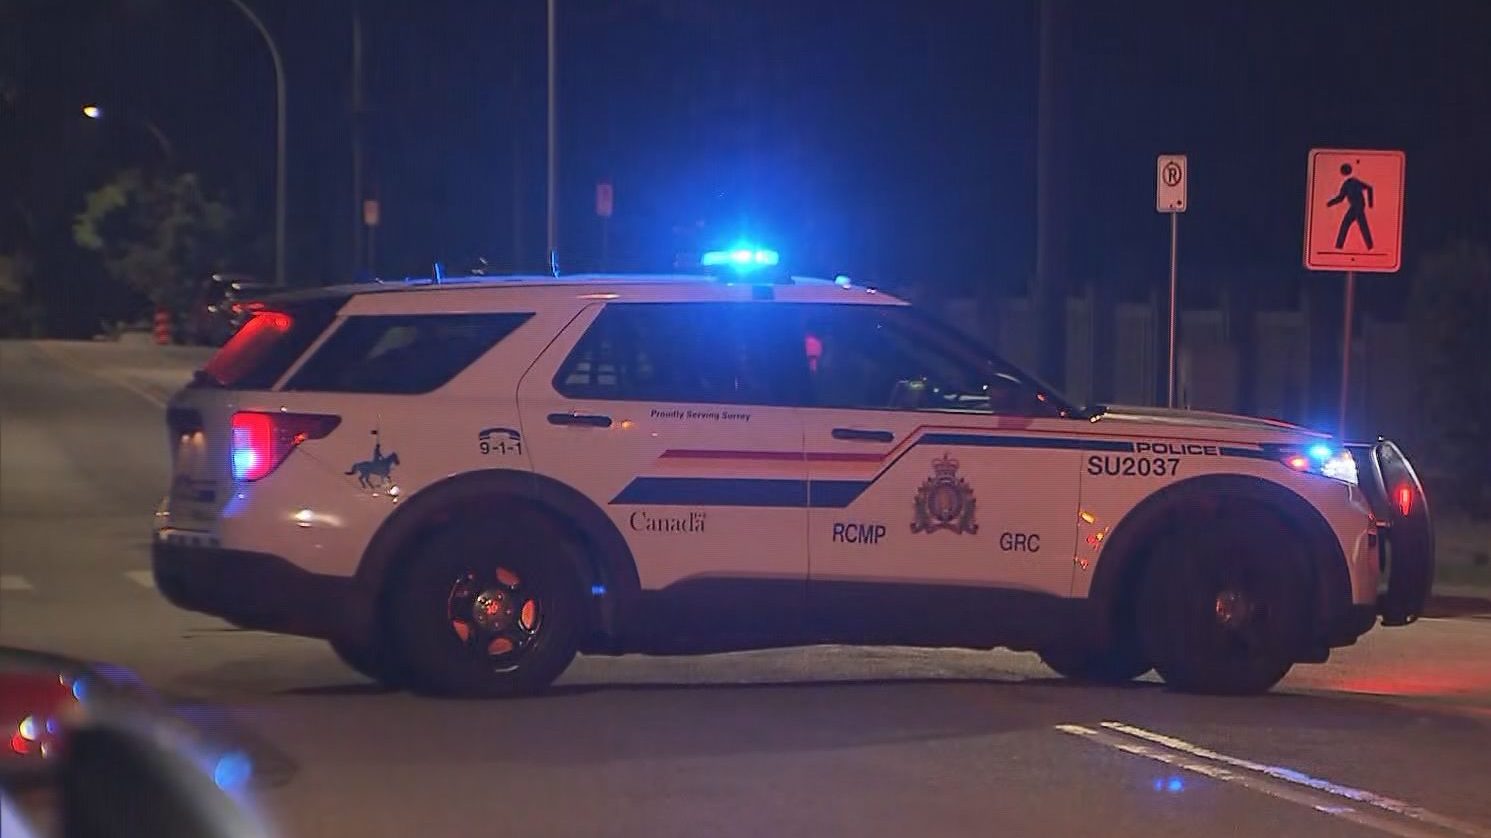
{"x": 402, "y": 354}
{"x": 267, "y": 345}
{"x": 721, "y": 353}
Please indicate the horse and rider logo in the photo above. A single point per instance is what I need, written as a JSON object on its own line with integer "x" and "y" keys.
{"x": 945, "y": 501}
{"x": 375, "y": 473}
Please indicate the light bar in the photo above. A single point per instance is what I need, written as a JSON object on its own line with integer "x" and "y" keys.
{"x": 740, "y": 258}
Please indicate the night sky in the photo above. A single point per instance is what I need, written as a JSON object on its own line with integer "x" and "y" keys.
{"x": 890, "y": 139}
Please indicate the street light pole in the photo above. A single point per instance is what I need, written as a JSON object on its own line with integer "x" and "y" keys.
{"x": 279, "y": 141}
{"x": 168, "y": 151}
{"x": 553, "y": 142}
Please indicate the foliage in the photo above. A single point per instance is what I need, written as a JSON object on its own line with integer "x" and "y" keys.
{"x": 1449, "y": 311}
{"x": 18, "y": 315}
{"x": 159, "y": 235}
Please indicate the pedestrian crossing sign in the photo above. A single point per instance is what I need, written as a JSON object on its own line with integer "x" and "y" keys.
{"x": 1354, "y": 210}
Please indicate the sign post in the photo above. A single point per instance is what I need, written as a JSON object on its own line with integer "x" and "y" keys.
{"x": 1353, "y": 222}
{"x": 1170, "y": 197}
{"x": 605, "y": 202}
{"x": 371, "y": 215}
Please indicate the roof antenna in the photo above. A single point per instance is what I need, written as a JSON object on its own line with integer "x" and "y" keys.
{"x": 554, "y": 262}
{"x": 439, "y": 273}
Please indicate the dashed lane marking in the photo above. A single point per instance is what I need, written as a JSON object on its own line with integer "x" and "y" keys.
{"x": 12, "y": 582}
{"x": 143, "y": 578}
{"x": 1389, "y": 804}
{"x": 1365, "y": 808}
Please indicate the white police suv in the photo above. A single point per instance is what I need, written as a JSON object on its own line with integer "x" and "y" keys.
{"x": 462, "y": 483}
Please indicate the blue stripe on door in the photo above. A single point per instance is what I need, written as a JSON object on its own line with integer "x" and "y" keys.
{"x": 836, "y": 494}
{"x": 714, "y": 491}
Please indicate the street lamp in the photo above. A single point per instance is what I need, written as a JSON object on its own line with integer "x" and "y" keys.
{"x": 94, "y": 111}
{"x": 279, "y": 140}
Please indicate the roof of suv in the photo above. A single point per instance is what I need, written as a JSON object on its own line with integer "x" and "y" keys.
{"x": 796, "y": 288}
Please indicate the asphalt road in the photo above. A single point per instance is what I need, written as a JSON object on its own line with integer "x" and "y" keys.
{"x": 1392, "y": 736}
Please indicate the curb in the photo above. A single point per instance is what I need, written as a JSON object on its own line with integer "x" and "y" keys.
{"x": 1455, "y": 605}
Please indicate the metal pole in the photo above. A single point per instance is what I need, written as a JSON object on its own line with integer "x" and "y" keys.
{"x": 359, "y": 257}
{"x": 553, "y": 142}
{"x": 279, "y": 141}
{"x": 605, "y": 244}
{"x": 1170, "y": 366}
{"x": 160, "y": 139}
{"x": 1346, "y": 352}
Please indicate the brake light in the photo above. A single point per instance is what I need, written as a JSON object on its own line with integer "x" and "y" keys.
{"x": 1404, "y": 497}
{"x": 261, "y": 441}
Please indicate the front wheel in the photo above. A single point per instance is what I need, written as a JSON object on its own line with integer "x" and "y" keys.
{"x": 373, "y": 662}
{"x": 1223, "y": 605}
{"x": 488, "y": 610}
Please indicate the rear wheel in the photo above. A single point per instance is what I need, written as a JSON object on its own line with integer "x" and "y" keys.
{"x": 1223, "y": 605}
{"x": 488, "y": 610}
{"x": 1114, "y": 665}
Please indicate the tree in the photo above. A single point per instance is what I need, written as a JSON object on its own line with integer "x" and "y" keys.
{"x": 159, "y": 235}
{"x": 1449, "y": 312}
{"x": 18, "y": 314}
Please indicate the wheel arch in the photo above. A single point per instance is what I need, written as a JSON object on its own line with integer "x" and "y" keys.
{"x": 1123, "y": 558}
{"x": 607, "y": 568}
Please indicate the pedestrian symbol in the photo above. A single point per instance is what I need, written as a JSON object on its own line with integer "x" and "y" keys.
{"x": 1354, "y": 210}
{"x": 1352, "y": 192}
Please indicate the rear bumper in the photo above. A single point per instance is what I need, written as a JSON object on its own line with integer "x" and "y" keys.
{"x": 259, "y": 591}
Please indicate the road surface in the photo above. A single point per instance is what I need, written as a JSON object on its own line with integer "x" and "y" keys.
{"x": 1393, "y": 736}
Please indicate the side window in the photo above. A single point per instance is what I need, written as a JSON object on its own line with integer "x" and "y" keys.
{"x": 402, "y": 354}
{"x": 885, "y": 358}
{"x": 720, "y": 353}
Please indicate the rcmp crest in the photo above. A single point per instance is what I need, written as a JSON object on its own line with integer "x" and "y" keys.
{"x": 945, "y": 501}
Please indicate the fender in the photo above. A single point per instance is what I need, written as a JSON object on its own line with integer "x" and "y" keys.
{"x": 610, "y": 566}
{"x": 1121, "y": 560}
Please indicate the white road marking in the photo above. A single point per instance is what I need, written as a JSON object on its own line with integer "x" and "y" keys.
{"x": 11, "y": 582}
{"x": 1253, "y": 782}
{"x": 1389, "y": 804}
{"x": 143, "y": 578}
{"x": 61, "y": 358}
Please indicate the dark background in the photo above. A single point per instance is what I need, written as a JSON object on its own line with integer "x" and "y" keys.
{"x": 890, "y": 139}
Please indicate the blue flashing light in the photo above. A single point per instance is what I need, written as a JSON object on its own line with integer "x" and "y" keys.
{"x": 80, "y": 689}
{"x": 232, "y": 771}
{"x": 843, "y": 281}
{"x": 245, "y": 460}
{"x": 1320, "y": 451}
{"x": 1172, "y": 784}
{"x": 741, "y": 258}
{"x": 597, "y": 590}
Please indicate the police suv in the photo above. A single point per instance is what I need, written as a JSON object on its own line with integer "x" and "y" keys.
{"x": 462, "y": 483}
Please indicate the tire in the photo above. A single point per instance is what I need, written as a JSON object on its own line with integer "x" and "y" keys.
{"x": 1223, "y": 604}
{"x": 1116, "y": 665}
{"x": 461, "y": 615}
{"x": 374, "y": 663}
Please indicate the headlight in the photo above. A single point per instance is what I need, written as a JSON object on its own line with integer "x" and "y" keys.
{"x": 1325, "y": 461}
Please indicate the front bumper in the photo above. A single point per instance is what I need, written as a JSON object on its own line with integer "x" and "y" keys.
{"x": 258, "y": 590}
{"x": 1406, "y": 531}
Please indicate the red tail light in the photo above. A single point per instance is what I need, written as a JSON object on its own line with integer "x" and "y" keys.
{"x": 261, "y": 441}
{"x": 1404, "y": 498}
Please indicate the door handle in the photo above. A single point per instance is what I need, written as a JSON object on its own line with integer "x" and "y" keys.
{"x": 589, "y": 420}
{"x": 863, "y": 436}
